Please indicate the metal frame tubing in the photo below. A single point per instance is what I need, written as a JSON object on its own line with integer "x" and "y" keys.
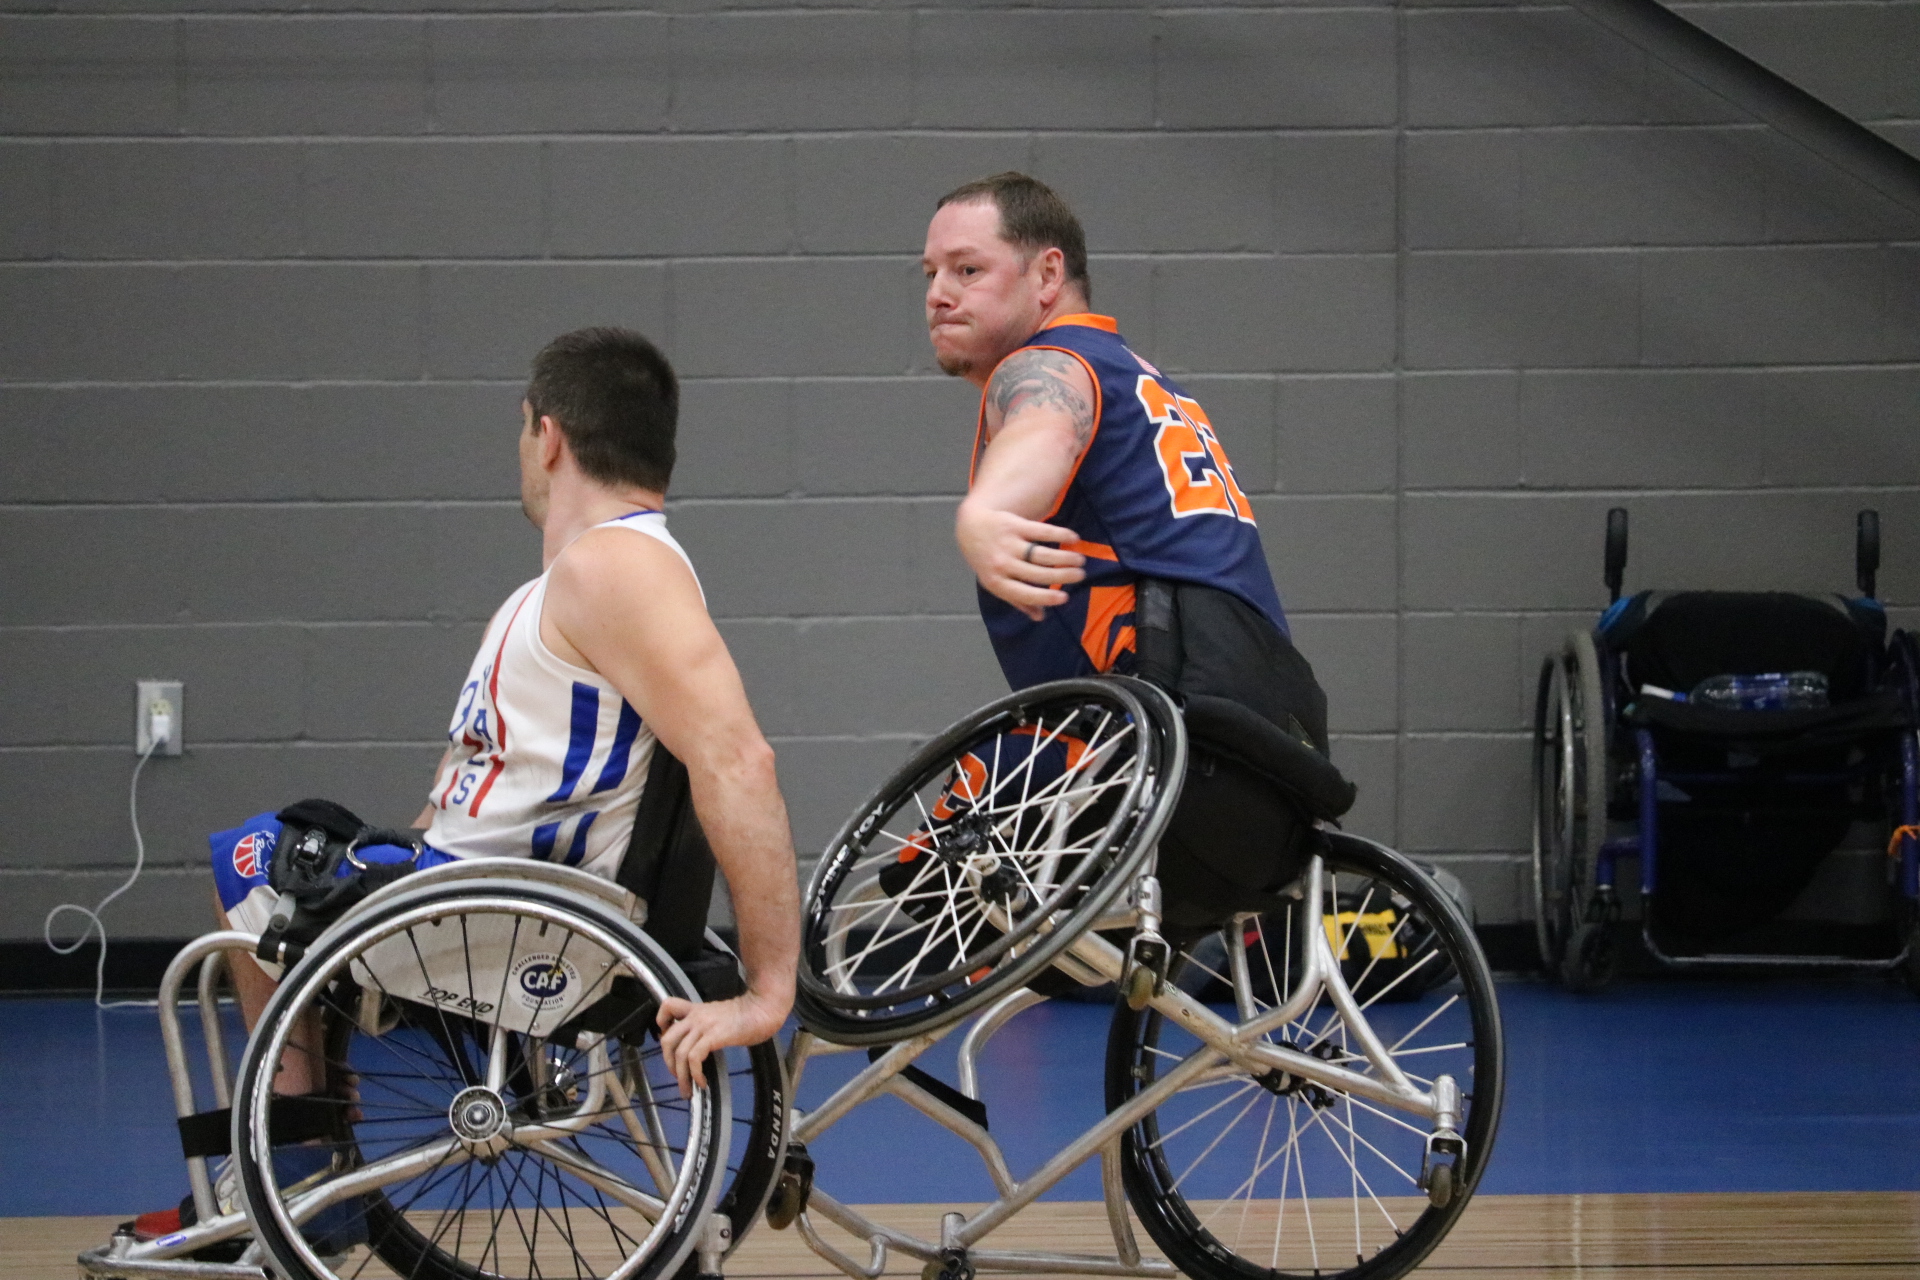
{"x": 1222, "y": 1042}
{"x": 1649, "y": 811}
{"x": 180, "y": 1074}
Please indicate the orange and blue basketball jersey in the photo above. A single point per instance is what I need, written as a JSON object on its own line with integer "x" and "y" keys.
{"x": 1152, "y": 496}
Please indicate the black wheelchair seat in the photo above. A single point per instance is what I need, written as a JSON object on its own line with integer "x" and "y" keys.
{"x": 1677, "y": 639}
{"x": 1227, "y": 730}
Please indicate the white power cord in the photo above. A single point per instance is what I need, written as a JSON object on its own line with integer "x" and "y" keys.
{"x": 160, "y": 730}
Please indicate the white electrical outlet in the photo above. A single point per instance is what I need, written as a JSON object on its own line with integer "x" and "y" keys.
{"x": 156, "y": 698}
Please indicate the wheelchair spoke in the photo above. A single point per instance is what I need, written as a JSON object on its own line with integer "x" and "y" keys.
{"x": 1422, "y": 1025}
{"x": 880, "y": 937}
{"x": 1245, "y": 1087}
{"x": 1353, "y": 1135}
{"x": 1217, "y": 1140}
{"x": 904, "y": 973}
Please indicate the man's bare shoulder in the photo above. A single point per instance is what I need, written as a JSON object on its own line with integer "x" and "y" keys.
{"x": 613, "y": 565}
{"x": 1040, "y": 378}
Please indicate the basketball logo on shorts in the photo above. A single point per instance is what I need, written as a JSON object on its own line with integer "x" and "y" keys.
{"x": 254, "y": 848}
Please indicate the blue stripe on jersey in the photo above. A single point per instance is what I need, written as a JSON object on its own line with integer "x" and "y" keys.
{"x": 586, "y": 726}
{"x": 543, "y": 837}
{"x": 615, "y": 770}
{"x": 578, "y": 849}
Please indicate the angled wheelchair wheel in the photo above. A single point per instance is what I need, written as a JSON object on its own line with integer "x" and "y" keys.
{"x": 1569, "y": 794}
{"x": 493, "y": 1102}
{"x": 1240, "y": 1176}
{"x": 989, "y": 851}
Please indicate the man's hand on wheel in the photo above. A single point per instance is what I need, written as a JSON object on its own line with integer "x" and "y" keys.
{"x": 690, "y": 1032}
{"x": 1022, "y": 561}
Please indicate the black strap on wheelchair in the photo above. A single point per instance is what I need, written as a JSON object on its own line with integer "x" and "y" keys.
{"x": 290, "y": 1120}
{"x": 972, "y": 1108}
{"x": 668, "y": 863}
{"x": 316, "y": 836}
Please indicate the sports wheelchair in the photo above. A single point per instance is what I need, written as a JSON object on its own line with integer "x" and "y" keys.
{"x": 489, "y": 1097}
{"x": 1309, "y": 1087}
{"x": 1729, "y": 811}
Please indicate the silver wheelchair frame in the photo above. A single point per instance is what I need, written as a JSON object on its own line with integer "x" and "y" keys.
{"x": 124, "y": 1256}
{"x": 1230, "y": 1051}
{"x": 1091, "y": 956}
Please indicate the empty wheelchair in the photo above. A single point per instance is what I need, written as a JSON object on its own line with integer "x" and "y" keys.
{"x": 1728, "y": 741}
{"x": 488, "y": 1093}
{"x": 1325, "y": 1106}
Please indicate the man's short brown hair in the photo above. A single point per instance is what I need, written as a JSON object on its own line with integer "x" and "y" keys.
{"x": 1032, "y": 218}
{"x": 616, "y": 400}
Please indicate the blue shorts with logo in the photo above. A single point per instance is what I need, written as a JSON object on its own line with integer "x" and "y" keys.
{"x": 242, "y": 856}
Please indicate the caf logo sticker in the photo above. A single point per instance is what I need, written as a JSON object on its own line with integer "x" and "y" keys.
{"x": 542, "y": 978}
{"x": 251, "y": 854}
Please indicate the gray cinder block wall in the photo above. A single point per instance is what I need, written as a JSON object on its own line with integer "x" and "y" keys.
{"x": 1452, "y": 280}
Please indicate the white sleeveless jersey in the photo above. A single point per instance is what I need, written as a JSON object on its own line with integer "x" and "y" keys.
{"x": 548, "y": 759}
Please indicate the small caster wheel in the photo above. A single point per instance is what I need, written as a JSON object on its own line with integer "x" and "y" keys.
{"x": 952, "y": 1264}
{"x": 1139, "y": 987}
{"x": 1440, "y": 1185}
{"x": 783, "y": 1206}
{"x": 792, "y": 1188}
{"x": 1588, "y": 964}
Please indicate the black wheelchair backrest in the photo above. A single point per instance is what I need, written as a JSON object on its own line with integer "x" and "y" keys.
{"x": 668, "y": 863}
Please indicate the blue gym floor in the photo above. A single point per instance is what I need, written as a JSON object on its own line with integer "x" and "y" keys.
{"x": 1665, "y": 1086}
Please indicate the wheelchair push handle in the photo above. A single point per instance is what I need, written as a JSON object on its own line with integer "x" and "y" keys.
{"x": 1616, "y": 551}
{"x": 1866, "y": 551}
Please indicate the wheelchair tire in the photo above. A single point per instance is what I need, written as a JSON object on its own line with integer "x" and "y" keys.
{"x": 474, "y": 1097}
{"x": 759, "y": 1147}
{"x": 1570, "y": 776}
{"x": 1238, "y": 1177}
{"x": 896, "y": 934}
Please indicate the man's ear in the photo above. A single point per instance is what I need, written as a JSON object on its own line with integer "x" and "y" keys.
{"x": 1053, "y": 275}
{"x": 552, "y": 440}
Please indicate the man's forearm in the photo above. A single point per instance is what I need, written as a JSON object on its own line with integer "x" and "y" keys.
{"x": 745, "y": 820}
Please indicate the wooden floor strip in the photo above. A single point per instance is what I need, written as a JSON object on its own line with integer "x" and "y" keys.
{"x": 1783, "y": 1236}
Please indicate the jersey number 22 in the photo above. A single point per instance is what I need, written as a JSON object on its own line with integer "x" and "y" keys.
{"x": 1198, "y": 477}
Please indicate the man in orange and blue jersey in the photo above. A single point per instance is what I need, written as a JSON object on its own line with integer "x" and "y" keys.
{"x": 1108, "y": 534}
{"x": 1092, "y": 470}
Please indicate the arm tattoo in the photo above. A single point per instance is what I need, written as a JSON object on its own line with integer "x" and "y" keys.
{"x": 1043, "y": 379}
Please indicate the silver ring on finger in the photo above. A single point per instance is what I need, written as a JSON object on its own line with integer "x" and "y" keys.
{"x": 1028, "y": 557}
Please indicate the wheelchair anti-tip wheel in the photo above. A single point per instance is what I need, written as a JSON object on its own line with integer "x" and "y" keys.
{"x": 495, "y": 1102}
{"x": 990, "y": 850}
{"x": 1245, "y": 1177}
{"x": 1569, "y": 794}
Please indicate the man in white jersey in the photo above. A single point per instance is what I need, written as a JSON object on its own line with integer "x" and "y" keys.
{"x": 581, "y": 672}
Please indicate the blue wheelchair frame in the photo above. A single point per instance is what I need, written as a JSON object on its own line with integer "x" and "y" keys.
{"x": 1584, "y": 941}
